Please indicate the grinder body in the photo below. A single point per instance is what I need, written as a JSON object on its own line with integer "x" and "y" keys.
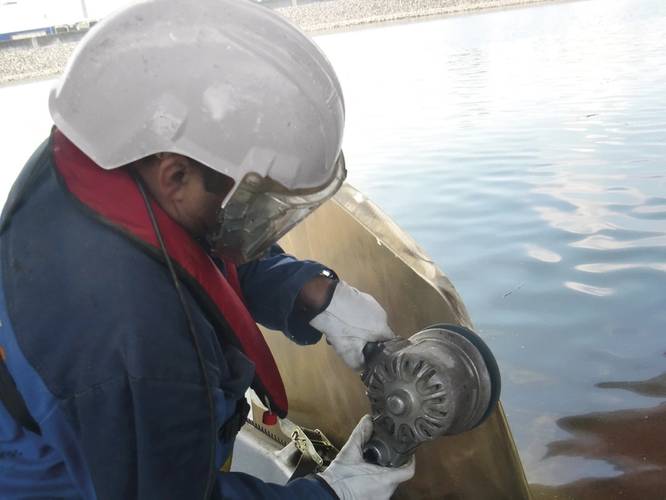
{"x": 443, "y": 380}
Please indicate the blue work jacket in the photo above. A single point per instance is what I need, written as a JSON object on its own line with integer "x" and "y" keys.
{"x": 95, "y": 337}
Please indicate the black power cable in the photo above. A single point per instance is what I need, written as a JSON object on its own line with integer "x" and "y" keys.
{"x": 209, "y": 392}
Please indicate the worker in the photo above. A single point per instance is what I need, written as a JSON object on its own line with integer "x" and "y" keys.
{"x": 138, "y": 249}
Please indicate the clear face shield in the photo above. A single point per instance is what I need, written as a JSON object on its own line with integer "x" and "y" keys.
{"x": 261, "y": 211}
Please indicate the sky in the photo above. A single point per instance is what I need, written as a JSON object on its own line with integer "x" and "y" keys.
{"x": 18, "y": 15}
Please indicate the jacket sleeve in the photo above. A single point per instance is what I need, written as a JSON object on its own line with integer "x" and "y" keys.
{"x": 271, "y": 285}
{"x": 237, "y": 485}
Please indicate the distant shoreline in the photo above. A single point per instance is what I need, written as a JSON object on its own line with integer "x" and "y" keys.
{"x": 340, "y": 15}
{"x": 22, "y": 64}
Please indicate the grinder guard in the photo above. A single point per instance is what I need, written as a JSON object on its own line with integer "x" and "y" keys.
{"x": 443, "y": 380}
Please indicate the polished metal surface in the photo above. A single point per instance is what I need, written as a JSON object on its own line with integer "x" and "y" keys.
{"x": 353, "y": 237}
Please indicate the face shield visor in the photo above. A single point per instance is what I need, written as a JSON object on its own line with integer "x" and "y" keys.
{"x": 260, "y": 211}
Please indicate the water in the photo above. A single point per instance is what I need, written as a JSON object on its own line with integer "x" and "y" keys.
{"x": 525, "y": 150}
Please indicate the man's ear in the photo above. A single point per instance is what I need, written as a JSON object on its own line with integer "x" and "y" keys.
{"x": 173, "y": 173}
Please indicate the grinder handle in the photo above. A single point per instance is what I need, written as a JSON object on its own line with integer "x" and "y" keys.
{"x": 370, "y": 350}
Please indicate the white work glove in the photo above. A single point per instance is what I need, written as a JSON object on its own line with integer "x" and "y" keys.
{"x": 350, "y": 321}
{"x": 354, "y": 479}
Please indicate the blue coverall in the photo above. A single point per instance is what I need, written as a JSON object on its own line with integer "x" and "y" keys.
{"x": 97, "y": 342}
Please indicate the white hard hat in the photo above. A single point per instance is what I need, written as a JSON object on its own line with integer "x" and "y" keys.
{"x": 228, "y": 83}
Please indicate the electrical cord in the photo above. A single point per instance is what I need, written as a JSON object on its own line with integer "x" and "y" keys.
{"x": 193, "y": 334}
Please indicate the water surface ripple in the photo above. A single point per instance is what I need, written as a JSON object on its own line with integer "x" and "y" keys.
{"x": 526, "y": 150}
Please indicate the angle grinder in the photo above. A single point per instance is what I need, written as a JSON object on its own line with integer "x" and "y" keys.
{"x": 441, "y": 381}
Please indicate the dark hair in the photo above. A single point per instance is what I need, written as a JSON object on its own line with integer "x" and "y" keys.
{"x": 214, "y": 182}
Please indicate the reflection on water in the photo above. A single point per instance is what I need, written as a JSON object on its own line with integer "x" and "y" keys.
{"x": 655, "y": 387}
{"x": 633, "y": 441}
{"x": 525, "y": 150}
